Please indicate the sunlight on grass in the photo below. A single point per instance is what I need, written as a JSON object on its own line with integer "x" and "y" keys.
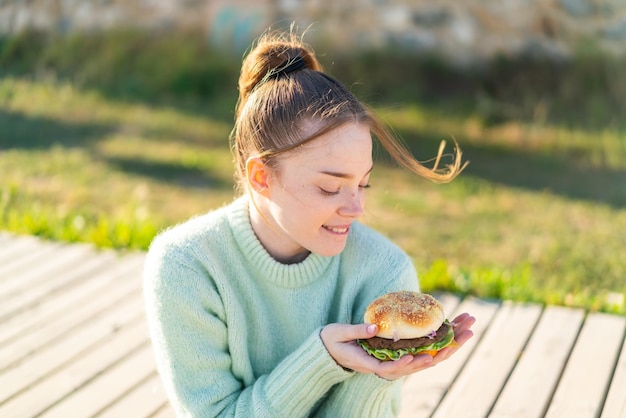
{"x": 504, "y": 242}
{"x": 63, "y": 102}
{"x": 537, "y": 216}
{"x": 116, "y": 188}
{"x": 605, "y": 148}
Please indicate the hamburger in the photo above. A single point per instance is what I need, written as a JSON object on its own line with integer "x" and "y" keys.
{"x": 408, "y": 323}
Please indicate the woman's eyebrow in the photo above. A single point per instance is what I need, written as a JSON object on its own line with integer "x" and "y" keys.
{"x": 343, "y": 175}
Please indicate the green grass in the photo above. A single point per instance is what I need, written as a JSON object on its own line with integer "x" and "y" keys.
{"x": 539, "y": 214}
{"x": 77, "y": 166}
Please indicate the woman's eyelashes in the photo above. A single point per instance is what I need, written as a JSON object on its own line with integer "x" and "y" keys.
{"x": 334, "y": 192}
{"x": 329, "y": 192}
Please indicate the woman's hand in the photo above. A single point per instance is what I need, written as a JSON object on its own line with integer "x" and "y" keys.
{"x": 340, "y": 341}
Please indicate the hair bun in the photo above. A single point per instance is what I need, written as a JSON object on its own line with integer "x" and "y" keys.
{"x": 273, "y": 53}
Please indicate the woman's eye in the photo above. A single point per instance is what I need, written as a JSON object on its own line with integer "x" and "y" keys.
{"x": 329, "y": 192}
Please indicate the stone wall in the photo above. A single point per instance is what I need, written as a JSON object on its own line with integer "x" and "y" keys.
{"x": 462, "y": 30}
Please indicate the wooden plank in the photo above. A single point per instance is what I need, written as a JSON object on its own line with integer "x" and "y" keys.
{"x": 615, "y": 405}
{"x": 105, "y": 389}
{"x": 56, "y": 355}
{"x": 21, "y": 261}
{"x": 58, "y": 360}
{"x": 50, "y": 388}
{"x": 533, "y": 381}
{"x": 29, "y": 343}
{"x": 97, "y": 280}
{"x": 477, "y": 387}
{"x": 141, "y": 402}
{"x": 60, "y": 271}
{"x": 14, "y": 248}
{"x": 45, "y": 272}
{"x": 165, "y": 412}
{"x": 16, "y": 244}
{"x": 5, "y": 239}
{"x": 419, "y": 399}
{"x": 584, "y": 383}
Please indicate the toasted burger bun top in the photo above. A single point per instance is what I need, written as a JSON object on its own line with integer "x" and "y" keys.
{"x": 405, "y": 315}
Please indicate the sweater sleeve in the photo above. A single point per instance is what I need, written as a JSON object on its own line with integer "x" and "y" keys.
{"x": 190, "y": 341}
{"x": 362, "y": 396}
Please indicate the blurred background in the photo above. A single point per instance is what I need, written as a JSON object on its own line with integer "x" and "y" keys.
{"x": 115, "y": 115}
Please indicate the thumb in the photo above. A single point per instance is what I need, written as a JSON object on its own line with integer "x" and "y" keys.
{"x": 341, "y": 333}
{"x": 347, "y": 332}
{"x": 371, "y": 330}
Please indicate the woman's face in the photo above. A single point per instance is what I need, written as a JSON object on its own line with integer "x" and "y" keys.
{"x": 315, "y": 194}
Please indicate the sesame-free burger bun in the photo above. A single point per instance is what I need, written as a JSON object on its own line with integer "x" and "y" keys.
{"x": 405, "y": 315}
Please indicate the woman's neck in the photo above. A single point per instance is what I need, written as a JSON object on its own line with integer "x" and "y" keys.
{"x": 275, "y": 241}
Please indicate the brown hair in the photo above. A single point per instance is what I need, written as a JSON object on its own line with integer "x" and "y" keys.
{"x": 277, "y": 109}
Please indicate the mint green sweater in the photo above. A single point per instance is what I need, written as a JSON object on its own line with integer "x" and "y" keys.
{"x": 236, "y": 333}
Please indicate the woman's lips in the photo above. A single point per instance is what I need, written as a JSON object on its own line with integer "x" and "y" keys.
{"x": 341, "y": 230}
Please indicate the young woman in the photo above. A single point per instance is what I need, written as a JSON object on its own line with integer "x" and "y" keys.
{"x": 254, "y": 308}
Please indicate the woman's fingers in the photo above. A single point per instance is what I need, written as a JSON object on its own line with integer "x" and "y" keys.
{"x": 340, "y": 341}
{"x": 463, "y": 319}
{"x": 462, "y": 323}
{"x": 462, "y": 333}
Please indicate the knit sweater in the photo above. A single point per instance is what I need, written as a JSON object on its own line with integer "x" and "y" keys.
{"x": 236, "y": 333}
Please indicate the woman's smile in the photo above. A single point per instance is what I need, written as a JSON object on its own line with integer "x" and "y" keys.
{"x": 339, "y": 230}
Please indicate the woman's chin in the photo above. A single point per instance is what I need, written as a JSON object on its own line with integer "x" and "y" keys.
{"x": 330, "y": 250}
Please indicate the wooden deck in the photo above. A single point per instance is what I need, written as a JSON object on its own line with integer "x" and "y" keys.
{"x": 73, "y": 343}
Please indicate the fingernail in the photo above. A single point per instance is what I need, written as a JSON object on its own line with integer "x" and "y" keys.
{"x": 371, "y": 329}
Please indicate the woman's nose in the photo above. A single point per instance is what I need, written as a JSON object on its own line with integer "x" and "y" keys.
{"x": 353, "y": 205}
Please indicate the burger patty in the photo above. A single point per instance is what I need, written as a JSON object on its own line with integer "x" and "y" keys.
{"x": 386, "y": 343}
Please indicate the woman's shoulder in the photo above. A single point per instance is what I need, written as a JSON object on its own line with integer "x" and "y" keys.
{"x": 381, "y": 265}
{"x": 368, "y": 246}
{"x": 366, "y": 239}
{"x": 196, "y": 231}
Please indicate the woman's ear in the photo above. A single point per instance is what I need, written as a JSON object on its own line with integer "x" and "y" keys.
{"x": 257, "y": 175}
